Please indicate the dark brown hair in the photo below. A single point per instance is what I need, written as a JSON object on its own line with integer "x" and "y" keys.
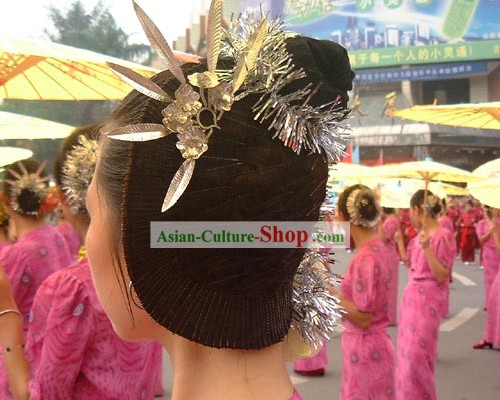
{"x": 417, "y": 200}
{"x": 28, "y": 200}
{"x": 370, "y": 212}
{"x": 231, "y": 298}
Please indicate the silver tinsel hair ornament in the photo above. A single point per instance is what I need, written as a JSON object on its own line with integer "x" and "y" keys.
{"x": 77, "y": 172}
{"x": 316, "y": 311}
{"x": 30, "y": 182}
{"x": 355, "y": 204}
{"x": 261, "y": 66}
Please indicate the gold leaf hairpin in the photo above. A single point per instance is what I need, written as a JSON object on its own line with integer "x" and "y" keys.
{"x": 203, "y": 93}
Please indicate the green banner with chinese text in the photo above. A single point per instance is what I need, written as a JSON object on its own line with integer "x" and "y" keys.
{"x": 373, "y": 58}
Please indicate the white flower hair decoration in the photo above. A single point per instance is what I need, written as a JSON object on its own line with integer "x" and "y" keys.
{"x": 355, "y": 203}
{"x": 261, "y": 66}
{"x": 77, "y": 172}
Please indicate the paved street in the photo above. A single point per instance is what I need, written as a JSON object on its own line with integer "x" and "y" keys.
{"x": 462, "y": 373}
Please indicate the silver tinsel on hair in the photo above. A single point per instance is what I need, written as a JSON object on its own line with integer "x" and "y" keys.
{"x": 298, "y": 125}
{"x": 316, "y": 311}
{"x": 273, "y": 58}
{"x": 77, "y": 172}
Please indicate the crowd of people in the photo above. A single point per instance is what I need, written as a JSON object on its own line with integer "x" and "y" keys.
{"x": 426, "y": 238}
{"x": 87, "y": 306}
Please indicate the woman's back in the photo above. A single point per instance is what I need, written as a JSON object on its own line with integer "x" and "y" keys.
{"x": 366, "y": 283}
{"x": 29, "y": 261}
{"x": 74, "y": 351}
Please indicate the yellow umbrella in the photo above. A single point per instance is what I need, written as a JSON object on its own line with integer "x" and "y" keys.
{"x": 489, "y": 169}
{"x": 452, "y": 190}
{"x": 39, "y": 70}
{"x": 481, "y": 115}
{"x": 8, "y": 155}
{"x": 343, "y": 171}
{"x": 18, "y": 126}
{"x": 427, "y": 171}
{"x": 487, "y": 192}
{"x": 396, "y": 193}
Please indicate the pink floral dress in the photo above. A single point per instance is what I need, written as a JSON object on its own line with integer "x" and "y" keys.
{"x": 27, "y": 262}
{"x": 313, "y": 363}
{"x": 368, "y": 354}
{"x": 3, "y": 244}
{"x": 492, "y": 332}
{"x": 390, "y": 226}
{"x": 296, "y": 396}
{"x": 71, "y": 236}
{"x": 73, "y": 350}
{"x": 422, "y": 307}
{"x": 490, "y": 256}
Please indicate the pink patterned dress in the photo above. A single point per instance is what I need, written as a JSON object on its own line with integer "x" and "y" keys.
{"x": 490, "y": 256}
{"x": 317, "y": 362}
{"x": 3, "y": 244}
{"x": 296, "y": 396}
{"x": 492, "y": 331}
{"x": 368, "y": 354}
{"x": 71, "y": 236}
{"x": 446, "y": 222}
{"x": 73, "y": 350}
{"x": 390, "y": 226}
{"x": 27, "y": 262}
{"x": 422, "y": 307}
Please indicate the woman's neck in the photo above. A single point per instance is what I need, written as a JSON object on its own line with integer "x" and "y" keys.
{"x": 4, "y": 237}
{"x": 203, "y": 373}
{"x": 25, "y": 224}
{"x": 362, "y": 235}
{"x": 81, "y": 226}
{"x": 431, "y": 225}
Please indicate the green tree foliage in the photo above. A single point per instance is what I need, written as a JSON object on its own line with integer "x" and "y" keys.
{"x": 94, "y": 30}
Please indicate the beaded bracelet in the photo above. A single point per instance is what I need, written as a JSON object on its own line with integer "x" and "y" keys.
{"x": 9, "y": 349}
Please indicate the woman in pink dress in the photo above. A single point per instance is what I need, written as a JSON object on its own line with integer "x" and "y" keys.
{"x": 39, "y": 250}
{"x": 71, "y": 236}
{"x": 221, "y": 313}
{"x": 367, "y": 350}
{"x": 72, "y": 349}
{"x": 490, "y": 256}
{"x": 491, "y": 337}
{"x": 387, "y": 232}
{"x": 430, "y": 257}
{"x": 4, "y": 225}
{"x": 446, "y": 222}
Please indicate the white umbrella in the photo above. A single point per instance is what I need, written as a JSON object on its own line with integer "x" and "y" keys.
{"x": 8, "y": 155}
{"x": 18, "y": 126}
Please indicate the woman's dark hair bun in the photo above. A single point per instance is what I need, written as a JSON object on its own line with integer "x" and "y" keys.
{"x": 368, "y": 206}
{"x": 323, "y": 61}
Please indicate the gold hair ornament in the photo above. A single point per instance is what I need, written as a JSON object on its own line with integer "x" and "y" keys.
{"x": 261, "y": 65}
